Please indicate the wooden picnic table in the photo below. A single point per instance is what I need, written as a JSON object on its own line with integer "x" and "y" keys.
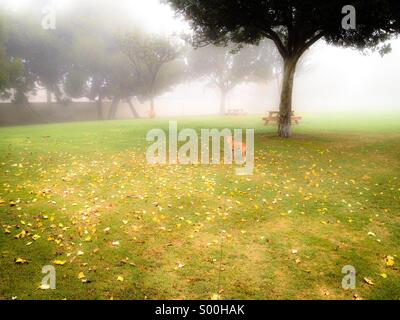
{"x": 273, "y": 117}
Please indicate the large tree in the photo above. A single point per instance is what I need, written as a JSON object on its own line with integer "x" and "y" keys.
{"x": 225, "y": 68}
{"x": 294, "y": 26}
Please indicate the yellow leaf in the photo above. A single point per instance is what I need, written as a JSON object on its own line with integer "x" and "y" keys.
{"x": 216, "y": 297}
{"x": 180, "y": 266}
{"x": 120, "y": 278}
{"x": 81, "y": 275}
{"x": 21, "y": 235}
{"x": 35, "y": 237}
{"x": 44, "y": 287}
{"x": 383, "y": 275}
{"x": 59, "y": 262}
{"x": 389, "y": 261}
{"x": 21, "y": 261}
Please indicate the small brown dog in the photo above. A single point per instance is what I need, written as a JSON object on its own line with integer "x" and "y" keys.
{"x": 234, "y": 145}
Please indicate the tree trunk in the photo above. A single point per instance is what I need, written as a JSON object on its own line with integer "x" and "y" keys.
{"x": 117, "y": 101}
{"x": 49, "y": 98}
{"x": 113, "y": 108}
{"x": 222, "y": 105}
{"x": 285, "y": 108}
{"x": 152, "y": 113}
{"x": 132, "y": 107}
{"x": 58, "y": 94}
{"x": 110, "y": 111}
{"x": 99, "y": 105}
{"x": 28, "y": 106}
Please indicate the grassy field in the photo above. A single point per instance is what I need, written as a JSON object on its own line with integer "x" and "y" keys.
{"x": 81, "y": 195}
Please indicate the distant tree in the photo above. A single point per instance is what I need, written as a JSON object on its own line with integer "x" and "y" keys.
{"x": 121, "y": 84}
{"x": 10, "y": 69}
{"x": 156, "y": 64}
{"x": 98, "y": 70}
{"x": 106, "y": 74}
{"x": 294, "y": 26}
{"x": 45, "y": 53}
{"x": 15, "y": 81}
{"x": 226, "y": 68}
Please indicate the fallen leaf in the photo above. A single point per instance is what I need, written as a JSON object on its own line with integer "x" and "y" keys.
{"x": 59, "y": 262}
{"x": 369, "y": 281}
{"x": 21, "y": 261}
{"x": 44, "y": 287}
{"x": 21, "y": 235}
{"x": 389, "y": 261}
{"x": 357, "y": 297}
{"x": 36, "y": 237}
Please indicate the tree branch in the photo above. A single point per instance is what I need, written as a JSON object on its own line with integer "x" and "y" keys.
{"x": 270, "y": 34}
{"x": 310, "y": 42}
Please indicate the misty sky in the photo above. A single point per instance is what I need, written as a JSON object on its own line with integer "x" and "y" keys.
{"x": 339, "y": 79}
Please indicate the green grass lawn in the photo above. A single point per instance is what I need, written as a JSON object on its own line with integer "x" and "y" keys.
{"x": 83, "y": 194}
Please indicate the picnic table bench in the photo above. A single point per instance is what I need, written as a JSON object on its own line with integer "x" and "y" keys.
{"x": 235, "y": 112}
{"x": 273, "y": 117}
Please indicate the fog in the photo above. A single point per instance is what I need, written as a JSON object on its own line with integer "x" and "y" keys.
{"x": 340, "y": 79}
{"x": 337, "y": 79}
